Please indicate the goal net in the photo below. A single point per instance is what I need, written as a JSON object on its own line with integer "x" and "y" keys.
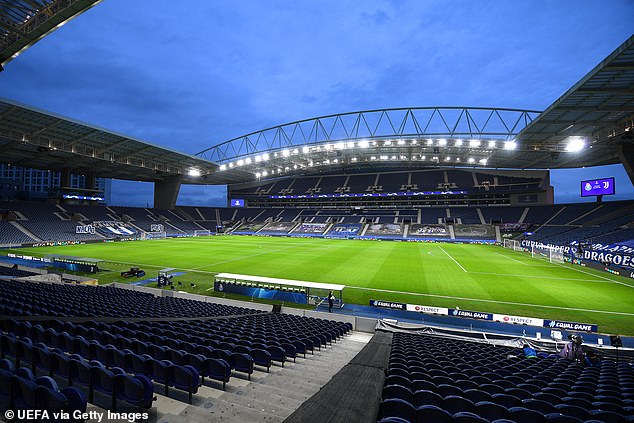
{"x": 511, "y": 244}
{"x": 553, "y": 255}
{"x": 202, "y": 233}
{"x": 153, "y": 235}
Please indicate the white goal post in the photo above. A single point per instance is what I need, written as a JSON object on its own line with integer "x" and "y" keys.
{"x": 202, "y": 233}
{"x": 552, "y": 254}
{"x": 512, "y": 244}
{"x": 153, "y": 235}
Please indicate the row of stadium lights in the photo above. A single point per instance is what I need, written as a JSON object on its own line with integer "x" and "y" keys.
{"x": 265, "y": 157}
{"x": 574, "y": 144}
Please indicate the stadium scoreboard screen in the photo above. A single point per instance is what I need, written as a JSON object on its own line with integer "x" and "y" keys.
{"x": 596, "y": 187}
{"x": 237, "y": 202}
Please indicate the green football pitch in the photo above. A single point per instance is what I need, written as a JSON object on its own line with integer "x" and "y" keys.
{"x": 474, "y": 277}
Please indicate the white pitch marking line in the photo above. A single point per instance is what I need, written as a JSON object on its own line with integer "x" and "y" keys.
{"x": 511, "y": 258}
{"x": 454, "y": 260}
{"x": 588, "y": 273}
{"x": 537, "y": 277}
{"x": 492, "y": 301}
{"x": 597, "y": 276}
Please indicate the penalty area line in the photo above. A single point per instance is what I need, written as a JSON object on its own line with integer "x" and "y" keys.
{"x": 454, "y": 260}
{"x": 492, "y": 301}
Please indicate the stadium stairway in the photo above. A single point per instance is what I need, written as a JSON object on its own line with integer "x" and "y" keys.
{"x": 267, "y": 397}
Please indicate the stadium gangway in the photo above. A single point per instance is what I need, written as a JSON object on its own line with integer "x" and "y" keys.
{"x": 267, "y": 283}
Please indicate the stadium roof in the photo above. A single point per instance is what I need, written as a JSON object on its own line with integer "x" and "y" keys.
{"x": 25, "y": 22}
{"x": 599, "y": 109}
{"x": 37, "y": 139}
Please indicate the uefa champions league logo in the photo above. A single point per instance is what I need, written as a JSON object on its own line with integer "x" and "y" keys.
{"x": 588, "y": 187}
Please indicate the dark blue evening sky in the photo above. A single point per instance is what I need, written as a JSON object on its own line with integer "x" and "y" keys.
{"x": 190, "y": 74}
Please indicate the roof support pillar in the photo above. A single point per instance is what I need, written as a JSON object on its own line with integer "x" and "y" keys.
{"x": 90, "y": 178}
{"x": 166, "y": 192}
{"x": 626, "y": 155}
{"x": 64, "y": 177}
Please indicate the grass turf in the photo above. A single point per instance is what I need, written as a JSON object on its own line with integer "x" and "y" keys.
{"x": 474, "y": 277}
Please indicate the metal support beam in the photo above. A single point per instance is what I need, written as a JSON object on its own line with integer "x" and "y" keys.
{"x": 166, "y": 193}
{"x": 626, "y": 155}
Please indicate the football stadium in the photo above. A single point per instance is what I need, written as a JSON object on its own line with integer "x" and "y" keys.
{"x": 383, "y": 265}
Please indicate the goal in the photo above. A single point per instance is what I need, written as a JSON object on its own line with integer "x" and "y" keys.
{"x": 552, "y": 254}
{"x": 202, "y": 233}
{"x": 512, "y": 244}
{"x": 153, "y": 235}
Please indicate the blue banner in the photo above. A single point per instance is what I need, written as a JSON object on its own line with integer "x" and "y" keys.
{"x": 559, "y": 324}
{"x": 470, "y": 314}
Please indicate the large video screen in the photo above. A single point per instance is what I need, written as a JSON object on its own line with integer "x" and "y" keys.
{"x": 594, "y": 187}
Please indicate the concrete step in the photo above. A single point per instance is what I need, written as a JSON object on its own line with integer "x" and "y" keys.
{"x": 216, "y": 409}
{"x": 263, "y": 402}
{"x": 281, "y": 391}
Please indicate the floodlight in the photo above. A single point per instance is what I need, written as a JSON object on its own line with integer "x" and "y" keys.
{"x": 575, "y": 144}
{"x": 305, "y": 149}
{"x": 364, "y": 144}
{"x": 327, "y": 161}
{"x": 430, "y": 142}
{"x": 393, "y": 157}
{"x": 294, "y": 166}
{"x": 423, "y": 157}
{"x": 387, "y": 143}
{"x": 471, "y": 160}
{"x": 335, "y": 161}
{"x": 194, "y": 172}
{"x": 492, "y": 144}
{"x": 295, "y": 151}
{"x": 414, "y": 142}
{"x": 231, "y": 164}
{"x": 442, "y": 142}
{"x": 383, "y": 157}
{"x": 286, "y": 153}
{"x": 349, "y": 144}
{"x": 401, "y": 142}
{"x": 258, "y": 158}
{"x": 447, "y": 158}
{"x": 265, "y": 156}
{"x": 373, "y": 158}
{"x": 354, "y": 159}
{"x": 258, "y": 174}
{"x": 340, "y": 146}
{"x": 240, "y": 162}
{"x": 458, "y": 143}
{"x": 247, "y": 160}
{"x": 510, "y": 145}
{"x": 223, "y": 167}
{"x": 483, "y": 161}
{"x": 474, "y": 143}
{"x": 264, "y": 173}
